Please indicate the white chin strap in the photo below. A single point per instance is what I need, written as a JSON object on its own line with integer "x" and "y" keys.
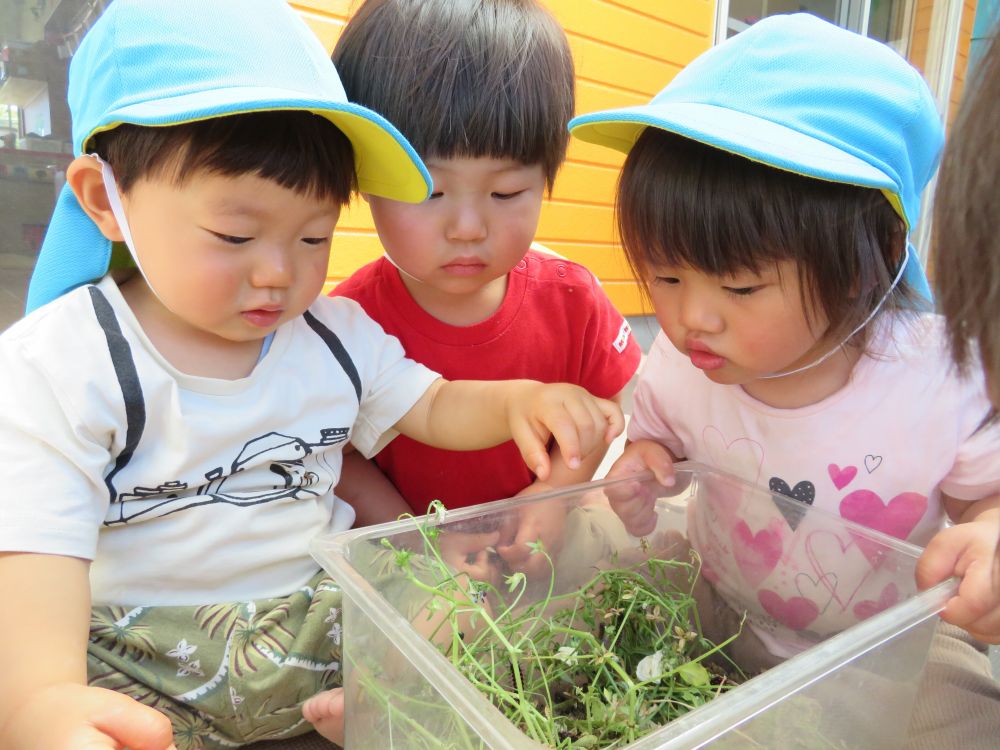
{"x": 398, "y": 268}
{"x": 866, "y": 321}
{"x": 115, "y": 201}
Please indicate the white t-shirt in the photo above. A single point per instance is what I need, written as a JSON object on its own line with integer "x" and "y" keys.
{"x": 879, "y": 452}
{"x": 183, "y": 489}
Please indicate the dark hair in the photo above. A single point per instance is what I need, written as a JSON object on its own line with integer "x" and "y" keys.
{"x": 296, "y": 149}
{"x": 683, "y": 203}
{"x": 464, "y": 78}
{"x": 966, "y": 210}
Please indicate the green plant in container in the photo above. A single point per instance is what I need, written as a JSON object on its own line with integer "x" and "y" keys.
{"x": 597, "y": 667}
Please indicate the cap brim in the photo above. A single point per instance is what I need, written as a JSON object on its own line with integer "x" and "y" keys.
{"x": 385, "y": 162}
{"x": 738, "y": 133}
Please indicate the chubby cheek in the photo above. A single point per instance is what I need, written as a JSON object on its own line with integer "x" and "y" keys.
{"x": 520, "y": 235}
{"x": 315, "y": 276}
{"x": 392, "y": 232}
{"x": 207, "y": 283}
{"x": 524, "y": 223}
{"x": 775, "y": 347}
{"x": 668, "y": 317}
{"x": 673, "y": 331}
{"x": 766, "y": 342}
{"x": 214, "y": 292}
{"x": 399, "y": 224}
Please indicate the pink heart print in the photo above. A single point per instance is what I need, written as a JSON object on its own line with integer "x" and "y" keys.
{"x": 889, "y": 596}
{"x": 796, "y": 612}
{"x": 897, "y": 518}
{"x": 826, "y": 552}
{"x": 756, "y": 554}
{"x": 841, "y": 477}
{"x": 709, "y": 574}
{"x": 741, "y": 456}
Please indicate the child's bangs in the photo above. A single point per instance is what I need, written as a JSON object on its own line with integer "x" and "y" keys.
{"x": 681, "y": 203}
{"x": 508, "y": 118}
{"x": 504, "y": 90}
{"x": 464, "y": 78}
{"x": 297, "y": 150}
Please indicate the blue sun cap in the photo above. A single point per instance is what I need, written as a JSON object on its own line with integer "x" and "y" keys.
{"x": 798, "y": 93}
{"x": 168, "y": 62}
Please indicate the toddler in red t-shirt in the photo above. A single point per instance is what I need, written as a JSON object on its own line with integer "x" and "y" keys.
{"x": 483, "y": 90}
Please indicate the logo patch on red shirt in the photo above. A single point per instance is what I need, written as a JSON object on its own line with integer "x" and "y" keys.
{"x": 621, "y": 341}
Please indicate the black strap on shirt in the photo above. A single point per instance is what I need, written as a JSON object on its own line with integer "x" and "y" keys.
{"x": 337, "y": 349}
{"x": 128, "y": 380}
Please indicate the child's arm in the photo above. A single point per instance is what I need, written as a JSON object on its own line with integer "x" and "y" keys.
{"x": 633, "y": 503}
{"x": 544, "y": 521}
{"x": 44, "y": 698}
{"x": 473, "y": 414}
{"x": 968, "y": 550}
{"x": 365, "y": 488}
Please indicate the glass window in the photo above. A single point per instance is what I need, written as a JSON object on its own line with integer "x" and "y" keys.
{"x": 888, "y": 20}
{"x": 743, "y": 13}
{"x": 892, "y": 21}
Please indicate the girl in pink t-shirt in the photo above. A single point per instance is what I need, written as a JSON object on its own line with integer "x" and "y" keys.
{"x": 767, "y": 213}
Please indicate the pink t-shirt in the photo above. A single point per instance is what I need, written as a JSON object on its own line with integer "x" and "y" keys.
{"x": 878, "y": 452}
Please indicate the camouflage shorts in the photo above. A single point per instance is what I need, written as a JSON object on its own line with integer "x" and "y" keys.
{"x": 226, "y": 674}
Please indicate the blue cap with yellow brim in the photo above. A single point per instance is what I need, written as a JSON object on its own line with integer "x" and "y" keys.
{"x": 168, "y": 62}
{"x": 800, "y": 94}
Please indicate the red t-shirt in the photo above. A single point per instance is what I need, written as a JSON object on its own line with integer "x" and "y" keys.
{"x": 555, "y": 324}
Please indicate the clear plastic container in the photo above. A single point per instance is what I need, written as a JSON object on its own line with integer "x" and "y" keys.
{"x": 836, "y": 632}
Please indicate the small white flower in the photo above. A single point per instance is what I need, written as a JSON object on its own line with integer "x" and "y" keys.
{"x": 182, "y": 651}
{"x": 334, "y": 614}
{"x": 439, "y": 513}
{"x": 335, "y": 633}
{"x": 650, "y": 667}
{"x": 567, "y": 655}
{"x": 188, "y": 668}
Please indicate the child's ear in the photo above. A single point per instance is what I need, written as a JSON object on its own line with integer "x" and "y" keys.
{"x": 83, "y": 175}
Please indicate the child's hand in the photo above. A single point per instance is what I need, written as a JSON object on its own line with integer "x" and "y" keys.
{"x": 579, "y": 422}
{"x": 471, "y": 554}
{"x": 967, "y": 550}
{"x": 68, "y": 716}
{"x": 543, "y": 523}
{"x": 633, "y": 502}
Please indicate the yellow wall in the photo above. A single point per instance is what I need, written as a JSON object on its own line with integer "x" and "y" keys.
{"x": 920, "y": 36}
{"x": 962, "y": 57}
{"x": 624, "y": 53}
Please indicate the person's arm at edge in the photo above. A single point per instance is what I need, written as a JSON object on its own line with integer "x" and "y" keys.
{"x": 967, "y": 550}
{"x": 46, "y": 599}
{"x": 43, "y": 649}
